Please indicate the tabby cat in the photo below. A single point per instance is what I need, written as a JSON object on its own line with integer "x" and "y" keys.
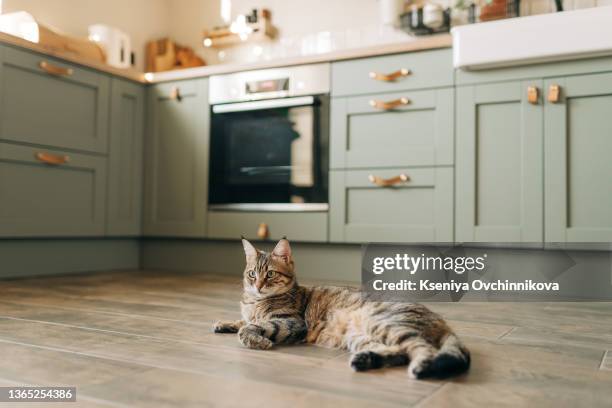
{"x": 276, "y": 310}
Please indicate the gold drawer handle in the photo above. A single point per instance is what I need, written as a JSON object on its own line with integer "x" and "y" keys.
{"x": 533, "y": 95}
{"x": 554, "y": 94}
{"x": 175, "y": 94}
{"x": 394, "y": 76}
{"x": 390, "y": 104}
{"x": 52, "y": 159}
{"x": 263, "y": 232}
{"x": 381, "y": 182}
{"x": 54, "y": 69}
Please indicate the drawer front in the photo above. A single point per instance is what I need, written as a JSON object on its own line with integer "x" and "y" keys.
{"x": 417, "y": 131}
{"x": 66, "y": 109}
{"x": 428, "y": 69}
{"x": 295, "y": 226}
{"x": 419, "y": 210}
{"x": 38, "y": 199}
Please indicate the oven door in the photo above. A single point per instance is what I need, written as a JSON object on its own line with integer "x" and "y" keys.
{"x": 270, "y": 155}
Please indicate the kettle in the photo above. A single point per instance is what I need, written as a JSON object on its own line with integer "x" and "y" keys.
{"x": 116, "y": 43}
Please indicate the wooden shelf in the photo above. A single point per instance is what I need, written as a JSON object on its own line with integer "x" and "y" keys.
{"x": 223, "y": 37}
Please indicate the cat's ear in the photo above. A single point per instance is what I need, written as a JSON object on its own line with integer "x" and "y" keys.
{"x": 249, "y": 249}
{"x": 283, "y": 250}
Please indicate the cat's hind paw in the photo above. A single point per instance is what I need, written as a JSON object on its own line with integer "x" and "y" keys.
{"x": 441, "y": 366}
{"x": 365, "y": 360}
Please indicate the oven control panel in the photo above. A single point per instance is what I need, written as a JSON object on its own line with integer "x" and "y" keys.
{"x": 270, "y": 83}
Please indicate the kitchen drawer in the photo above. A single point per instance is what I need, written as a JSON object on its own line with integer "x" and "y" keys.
{"x": 306, "y": 226}
{"x": 58, "y": 104}
{"x": 419, "y": 210}
{"x": 38, "y": 199}
{"x": 427, "y": 69}
{"x": 419, "y": 133}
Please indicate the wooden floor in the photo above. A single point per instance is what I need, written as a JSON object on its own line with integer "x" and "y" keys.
{"x": 144, "y": 339}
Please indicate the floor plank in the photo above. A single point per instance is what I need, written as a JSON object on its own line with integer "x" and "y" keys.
{"x": 231, "y": 364}
{"x": 143, "y": 339}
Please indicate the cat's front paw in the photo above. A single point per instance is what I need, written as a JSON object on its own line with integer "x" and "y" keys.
{"x": 223, "y": 327}
{"x": 251, "y": 336}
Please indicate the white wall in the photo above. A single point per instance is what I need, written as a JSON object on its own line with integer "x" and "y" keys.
{"x": 300, "y": 22}
{"x": 188, "y": 18}
{"x": 142, "y": 20}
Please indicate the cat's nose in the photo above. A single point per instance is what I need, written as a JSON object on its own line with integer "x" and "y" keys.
{"x": 259, "y": 285}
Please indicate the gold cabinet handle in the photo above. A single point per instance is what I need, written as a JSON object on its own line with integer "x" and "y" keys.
{"x": 263, "y": 232}
{"x": 554, "y": 93}
{"x": 390, "y": 104}
{"x": 175, "y": 94}
{"x": 394, "y": 76}
{"x": 381, "y": 182}
{"x": 54, "y": 69}
{"x": 533, "y": 95}
{"x": 52, "y": 159}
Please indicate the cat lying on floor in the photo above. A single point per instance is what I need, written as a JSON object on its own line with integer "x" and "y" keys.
{"x": 276, "y": 310}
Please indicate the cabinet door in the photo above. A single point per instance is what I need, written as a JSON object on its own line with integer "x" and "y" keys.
{"x": 50, "y": 102}
{"x": 418, "y": 210}
{"x": 176, "y": 159}
{"x": 418, "y": 133}
{"x": 51, "y": 193}
{"x": 125, "y": 159}
{"x": 499, "y": 184}
{"x": 578, "y": 142}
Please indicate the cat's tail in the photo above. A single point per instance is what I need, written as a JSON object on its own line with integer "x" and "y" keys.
{"x": 451, "y": 359}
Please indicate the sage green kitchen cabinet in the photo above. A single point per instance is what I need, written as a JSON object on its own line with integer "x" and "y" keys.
{"x": 303, "y": 227}
{"x": 419, "y": 209}
{"x": 416, "y": 131}
{"x": 176, "y": 159}
{"x": 499, "y": 163}
{"x": 51, "y": 193}
{"x": 393, "y": 73}
{"x": 46, "y": 101}
{"x": 578, "y": 165}
{"x": 124, "y": 214}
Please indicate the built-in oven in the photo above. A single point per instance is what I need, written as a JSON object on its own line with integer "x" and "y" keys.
{"x": 269, "y": 140}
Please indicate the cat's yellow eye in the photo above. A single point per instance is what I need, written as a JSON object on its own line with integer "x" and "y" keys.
{"x": 270, "y": 274}
{"x": 251, "y": 274}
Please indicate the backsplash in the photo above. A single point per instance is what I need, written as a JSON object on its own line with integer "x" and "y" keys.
{"x": 305, "y": 28}
{"x": 314, "y": 43}
{"x": 330, "y": 31}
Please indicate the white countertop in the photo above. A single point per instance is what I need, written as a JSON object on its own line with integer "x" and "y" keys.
{"x": 418, "y": 44}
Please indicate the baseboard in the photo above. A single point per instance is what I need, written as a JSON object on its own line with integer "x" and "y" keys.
{"x": 331, "y": 262}
{"x": 38, "y": 257}
{"x": 582, "y": 274}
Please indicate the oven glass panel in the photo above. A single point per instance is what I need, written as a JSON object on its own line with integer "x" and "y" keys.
{"x": 267, "y": 156}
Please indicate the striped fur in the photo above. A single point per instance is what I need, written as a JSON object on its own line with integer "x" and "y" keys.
{"x": 276, "y": 310}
